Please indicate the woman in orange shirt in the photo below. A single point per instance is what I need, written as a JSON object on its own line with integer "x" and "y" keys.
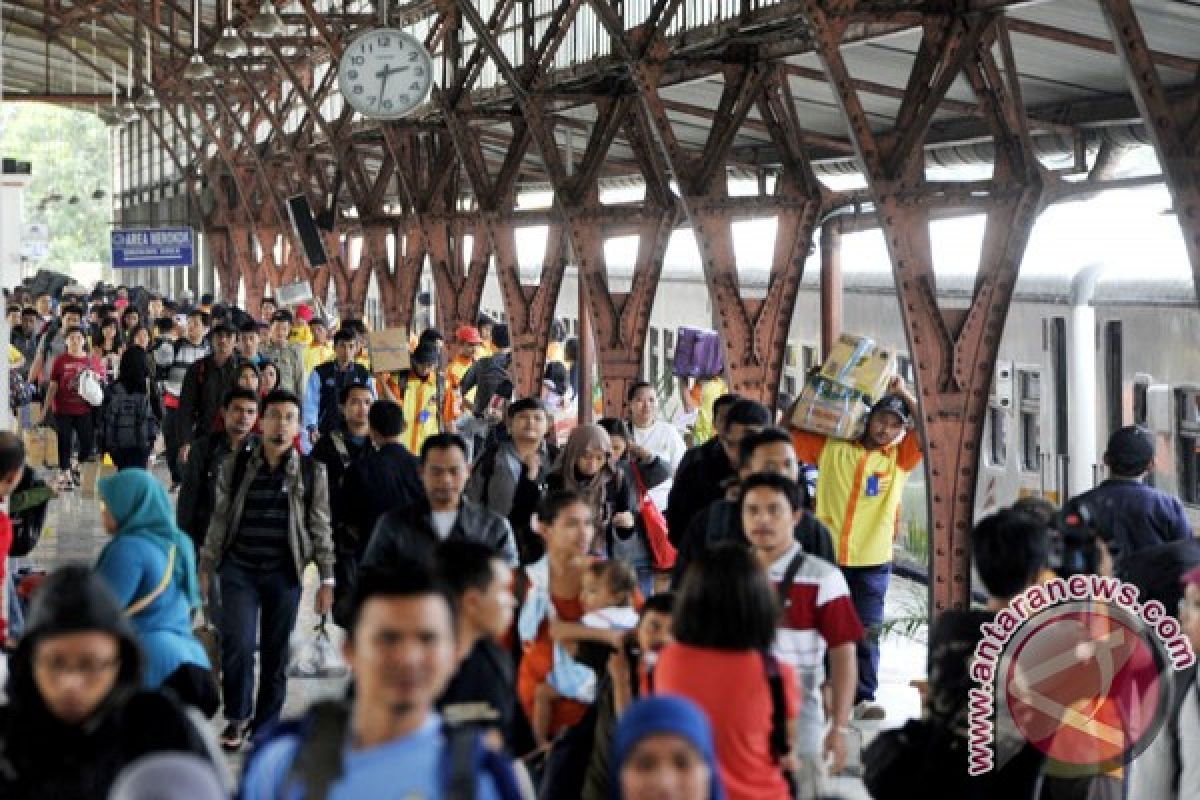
{"x": 555, "y": 582}
{"x": 724, "y": 624}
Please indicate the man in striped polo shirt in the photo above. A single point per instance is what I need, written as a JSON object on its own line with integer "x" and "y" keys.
{"x": 271, "y": 519}
{"x": 817, "y": 614}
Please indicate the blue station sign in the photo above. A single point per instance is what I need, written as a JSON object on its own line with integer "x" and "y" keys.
{"x": 141, "y": 248}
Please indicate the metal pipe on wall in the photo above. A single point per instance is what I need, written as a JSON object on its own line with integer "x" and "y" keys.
{"x": 831, "y": 283}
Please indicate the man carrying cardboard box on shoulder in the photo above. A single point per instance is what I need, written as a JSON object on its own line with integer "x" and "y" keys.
{"x": 859, "y": 486}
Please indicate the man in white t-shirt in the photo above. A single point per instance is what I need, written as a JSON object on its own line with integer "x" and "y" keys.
{"x": 654, "y": 434}
{"x": 818, "y": 613}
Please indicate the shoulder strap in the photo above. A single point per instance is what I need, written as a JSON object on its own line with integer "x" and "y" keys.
{"x": 780, "y": 746}
{"x": 308, "y": 473}
{"x": 458, "y": 763}
{"x": 319, "y": 758}
{"x": 487, "y": 467}
{"x": 440, "y": 398}
{"x": 789, "y": 577}
{"x": 339, "y": 444}
{"x": 138, "y": 606}
{"x": 240, "y": 462}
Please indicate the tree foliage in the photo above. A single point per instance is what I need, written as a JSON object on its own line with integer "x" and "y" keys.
{"x": 71, "y": 156}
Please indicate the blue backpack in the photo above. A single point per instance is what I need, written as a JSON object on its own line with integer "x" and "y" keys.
{"x": 318, "y": 763}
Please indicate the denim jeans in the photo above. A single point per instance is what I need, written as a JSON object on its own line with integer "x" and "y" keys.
{"x": 868, "y": 586}
{"x": 245, "y": 594}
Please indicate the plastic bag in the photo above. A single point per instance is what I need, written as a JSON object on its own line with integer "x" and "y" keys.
{"x": 318, "y": 657}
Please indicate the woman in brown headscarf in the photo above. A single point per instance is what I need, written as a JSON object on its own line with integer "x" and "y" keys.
{"x": 585, "y": 466}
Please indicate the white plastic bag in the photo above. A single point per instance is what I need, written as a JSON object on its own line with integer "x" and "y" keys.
{"x": 90, "y": 388}
{"x": 318, "y": 657}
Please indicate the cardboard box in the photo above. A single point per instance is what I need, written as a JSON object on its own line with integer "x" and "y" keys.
{"x": 859, "y": 363}
{"x": 41, "y": 447}
{"x": 389, "y": 350}
{"x": 831, "y": 409}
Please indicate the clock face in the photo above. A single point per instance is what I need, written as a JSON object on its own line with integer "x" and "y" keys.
{"x": 385, "y": 73}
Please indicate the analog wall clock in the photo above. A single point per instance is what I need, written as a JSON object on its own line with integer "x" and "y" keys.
{"x": 385, "y": 73}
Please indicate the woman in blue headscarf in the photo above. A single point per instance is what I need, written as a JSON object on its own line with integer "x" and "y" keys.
{"x": 151, "y": 567}
{"x": 663, "y": 750}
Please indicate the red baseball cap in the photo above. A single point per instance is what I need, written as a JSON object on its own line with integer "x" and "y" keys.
{"x": 468, "y": 334}
{"x": 304, "y": 312}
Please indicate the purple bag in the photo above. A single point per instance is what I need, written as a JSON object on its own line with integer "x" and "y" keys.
{"x": 698, "y": 353}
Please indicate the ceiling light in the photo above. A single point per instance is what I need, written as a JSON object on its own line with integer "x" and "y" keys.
{"x": 197, "y": 69}
{"x": 230, "y": 45}
{"x": 267, "y": 23}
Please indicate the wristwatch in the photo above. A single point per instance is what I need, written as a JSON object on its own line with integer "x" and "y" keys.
{"x": 328, "y": 582}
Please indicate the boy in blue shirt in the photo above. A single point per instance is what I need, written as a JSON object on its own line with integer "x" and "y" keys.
{"x": 400, "y": 645}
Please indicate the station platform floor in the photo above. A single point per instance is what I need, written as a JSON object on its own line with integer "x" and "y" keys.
{"x": 73, "y": 534}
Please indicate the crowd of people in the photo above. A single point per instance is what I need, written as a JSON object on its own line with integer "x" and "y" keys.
{"x": 629, "y": 610}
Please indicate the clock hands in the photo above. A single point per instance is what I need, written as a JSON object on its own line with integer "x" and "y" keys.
{"x": 383, "y": 76}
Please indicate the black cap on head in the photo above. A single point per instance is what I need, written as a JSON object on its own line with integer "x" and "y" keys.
{"x": 248, "y": 326}
{"x": 501, "y": 337}
{"x": 1130, "y": 450}
{"x": 426, "y": 353}
{"x": 221, "y": 329}
{"x": 894, "y": 404}
{"x": 282, "y": 315}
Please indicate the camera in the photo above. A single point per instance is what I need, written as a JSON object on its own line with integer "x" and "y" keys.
{"x": 1076, "y": 544}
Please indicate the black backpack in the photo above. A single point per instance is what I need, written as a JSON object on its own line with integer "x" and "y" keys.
{"x": 319, "y": 759}
{"x": 129, "y": 421}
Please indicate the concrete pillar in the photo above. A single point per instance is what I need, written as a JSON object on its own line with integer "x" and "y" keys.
{"x": 12, "y": 192}
{"x": 1081, "y": 382}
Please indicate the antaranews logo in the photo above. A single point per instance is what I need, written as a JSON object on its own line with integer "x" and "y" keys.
{"x": 1081, "y": 669}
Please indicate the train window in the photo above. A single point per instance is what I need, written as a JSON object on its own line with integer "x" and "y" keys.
{"x": 1029, "y": 386}
{"x": 1113, "y": 369}
{"x": 810, "y": 357}
{"x": 1188, "y": 427}
{"x": 668, "y": 350}
{"x": 904, "y": 368}
{"x": 789, "y": 359}
{"x": 997, "y": 436}
{"x": 789, "y": 386}
{"x": 1141, "y": 389}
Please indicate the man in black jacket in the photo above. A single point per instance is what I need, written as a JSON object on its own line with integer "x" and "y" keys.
{"x": 444, "y": 514}
{"x": 483, "y": 690}
{"x": 197, "y": 496}
{"x": 709, "y": 475}
{"x": 770, "y": 450}
{"x": 384, "y": 476}
{"x": 204, "y": 387}
{"x": 343, "y": 446}
{"x": 487, "y": 375}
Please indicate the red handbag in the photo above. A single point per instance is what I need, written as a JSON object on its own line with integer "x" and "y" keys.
{"x": 655, "y": 525}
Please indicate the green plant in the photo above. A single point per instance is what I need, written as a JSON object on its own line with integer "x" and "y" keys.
{"x": 913, "y": 620}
